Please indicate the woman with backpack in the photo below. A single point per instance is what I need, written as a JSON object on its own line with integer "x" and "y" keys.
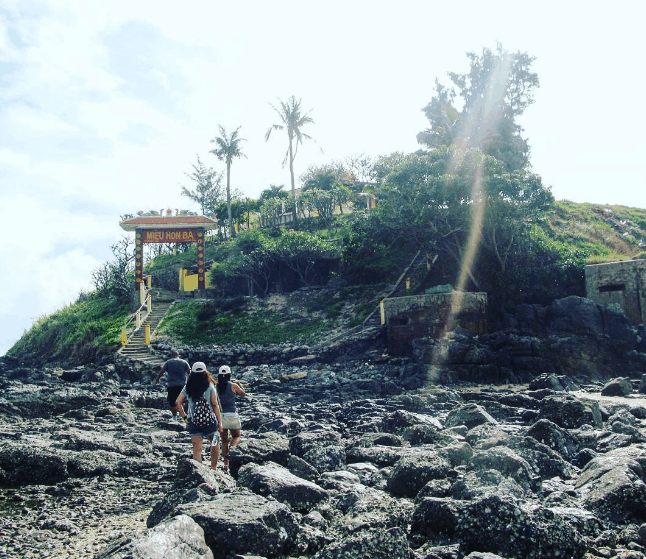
{"x": 227, "y": 391}
{"x": 203, "y": 417}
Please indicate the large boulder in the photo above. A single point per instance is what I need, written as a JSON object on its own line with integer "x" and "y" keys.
{"x": 416, "y": 469}
{"x": 502, "y": 526}
{"x": 376, "y": 544}
{"x": 25, "y": 464}
{"x": 244, "y": 523}
{"x": 470, "y": 415}
{"x": 178, "y": 538}
{"x": 302, "y": 443}
{"x": 193, "y": 482}
{"x": 271, "y": 479}
{"x": 617, "y": 387}
{"x": 555, "y": 437}
{"x": 507, "y": 462}
{"x": 612, "y": 486}
{"x": 267, "y": 447}
{"x": 570, "y": 412}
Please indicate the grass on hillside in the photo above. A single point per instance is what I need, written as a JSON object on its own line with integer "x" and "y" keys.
{"x": 89, "y": 327}
{"x": 604, "y": 232}
{"x": 303, "y": 316}
{"x": 197, "y": 322}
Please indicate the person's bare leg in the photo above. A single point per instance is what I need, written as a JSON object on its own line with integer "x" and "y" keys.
{"x": 236, "y": 435}
{"x": 215, "y": 454}
{"x": 197, "y": 448}
{"x": 225, "y": 448}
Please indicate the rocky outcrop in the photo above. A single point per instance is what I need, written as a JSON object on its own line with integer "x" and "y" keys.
{"x": 376, "y": 457}
{"x": 572, "y": 336}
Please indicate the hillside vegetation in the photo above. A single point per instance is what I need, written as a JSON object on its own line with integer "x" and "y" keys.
{"x": 92, "y": 325}
{"x": 603, "y": 232}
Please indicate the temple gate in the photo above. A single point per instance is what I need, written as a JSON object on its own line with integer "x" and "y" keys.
{"x": 155, "y": 227}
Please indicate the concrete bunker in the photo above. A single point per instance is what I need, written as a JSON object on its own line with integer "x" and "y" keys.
{"x": 431, "y": 316}
{"x": 619, "y": 283}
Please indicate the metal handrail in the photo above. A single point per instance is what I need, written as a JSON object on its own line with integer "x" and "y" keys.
{"x": 146, "y": 305}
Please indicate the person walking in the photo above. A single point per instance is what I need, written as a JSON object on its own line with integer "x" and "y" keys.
{"x": 203, "y": 418}
{"x": 227, "y": 390}
{"x": 176, "y": 370}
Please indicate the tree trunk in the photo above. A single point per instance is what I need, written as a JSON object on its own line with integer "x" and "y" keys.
{"x": 291, "y": 174}
{"x": 231, "y": 232}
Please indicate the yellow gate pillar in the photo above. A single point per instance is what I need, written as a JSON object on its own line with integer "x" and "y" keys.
{"x": 147, "y": 329}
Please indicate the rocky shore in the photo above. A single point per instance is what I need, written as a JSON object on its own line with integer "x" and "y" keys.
{"x": 351, "y": 454}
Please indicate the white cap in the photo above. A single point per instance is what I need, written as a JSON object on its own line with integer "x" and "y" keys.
{"x": 198, "y": 367}
{"x": 224, "y": 370}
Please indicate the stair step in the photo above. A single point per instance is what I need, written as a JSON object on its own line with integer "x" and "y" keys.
{"x": 136, "y": 348}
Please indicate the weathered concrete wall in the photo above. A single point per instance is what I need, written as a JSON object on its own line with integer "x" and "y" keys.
{"x": 622, "y": 283}
{"x": 422, "y": 316}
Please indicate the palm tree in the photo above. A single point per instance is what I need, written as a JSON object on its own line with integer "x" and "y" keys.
{"x": 227, "y": 148}
{"x": 292, "y": 121}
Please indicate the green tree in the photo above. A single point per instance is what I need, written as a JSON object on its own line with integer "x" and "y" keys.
{"x": 292, "y": 121}
{"x": 494, "y": 94}
{"x": 271, "y": 210}
{"x": 329, "y": 182}
{"x": 273, "y": 192}
{"x": 465, "y": 205}
{"x": 241, "y": 210}
{"x": 319, "y": 200}
{"x": 208, "y": 187}
{"x": 228, "y": 148}
{"x": 300, "y": 251}
{"x": 253, "y": 258}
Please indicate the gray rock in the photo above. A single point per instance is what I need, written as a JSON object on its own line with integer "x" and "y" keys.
{"x": 301, "y": 468}
{"x": 617, "y": 387}
{"x": 268, "y": 447}
{"x": 462, "y": 521}
{"x": 612, "y": 486}
{"x": 507, "y": 462}
{"x": 304, "y": 442}
{"x": 550, "y": 382}
{"x": 193, "y": 482}
{"x": 273, "y": 480}
{"x": 415, "y": 470}
{"x": 569, "y": 412}
{"x": 376, "y": 544}
{"x": 179, "y": 538}
{"x": 553, "y": 436}
{"x": 245, "y": 523}
{"x": 327, "y": 458}
{"x": 470, "y": 415}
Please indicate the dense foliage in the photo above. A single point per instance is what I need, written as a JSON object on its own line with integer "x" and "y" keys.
{"x": 283, "y": 262}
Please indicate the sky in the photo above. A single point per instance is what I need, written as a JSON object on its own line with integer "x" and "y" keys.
{"x": 105, "y": 106}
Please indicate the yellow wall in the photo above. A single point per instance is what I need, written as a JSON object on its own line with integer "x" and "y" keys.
{"x": 188, "y": 282}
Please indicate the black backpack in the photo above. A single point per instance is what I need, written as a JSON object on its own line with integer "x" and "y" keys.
{"x": 203, "y": 413}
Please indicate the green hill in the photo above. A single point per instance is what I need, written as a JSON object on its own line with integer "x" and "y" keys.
{"x": 92, "y": 325}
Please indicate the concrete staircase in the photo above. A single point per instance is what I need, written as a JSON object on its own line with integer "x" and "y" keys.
{"x": 136, "y": 348}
